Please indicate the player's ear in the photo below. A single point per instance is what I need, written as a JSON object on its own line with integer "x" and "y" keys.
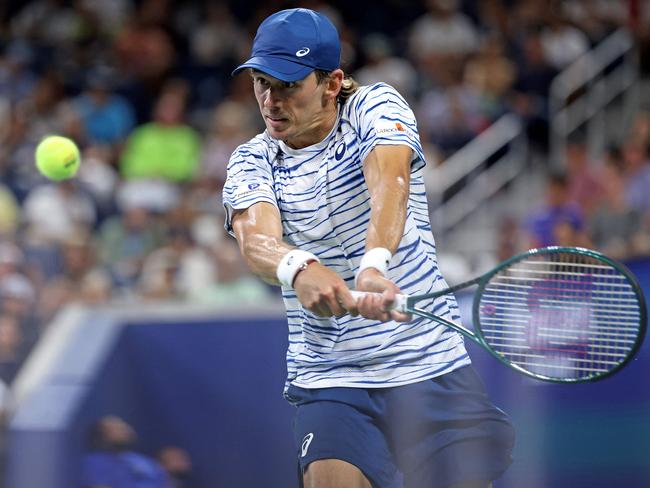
{"x": 333, "y": 84}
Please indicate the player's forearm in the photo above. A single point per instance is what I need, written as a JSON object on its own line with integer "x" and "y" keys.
{"x": 263, "y": 254}
{"x": 259, "y": 235}
{"x": 388, "y": 214}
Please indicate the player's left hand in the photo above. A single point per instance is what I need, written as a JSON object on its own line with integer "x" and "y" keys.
{"x": 378, "y": 305}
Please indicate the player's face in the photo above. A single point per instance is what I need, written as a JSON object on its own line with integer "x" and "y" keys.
{"x": 300, "y": 113}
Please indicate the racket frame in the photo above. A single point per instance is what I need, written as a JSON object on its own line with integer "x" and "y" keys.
{"x": 482, "y": 281}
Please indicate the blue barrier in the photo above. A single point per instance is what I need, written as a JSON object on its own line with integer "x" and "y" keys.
{"x": 212, "y": 386}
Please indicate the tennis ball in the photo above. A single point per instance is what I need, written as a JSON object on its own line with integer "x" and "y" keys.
{"x": 57, "y": 158}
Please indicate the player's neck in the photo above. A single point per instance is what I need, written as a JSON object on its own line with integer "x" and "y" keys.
{"x": 317, "y": 131}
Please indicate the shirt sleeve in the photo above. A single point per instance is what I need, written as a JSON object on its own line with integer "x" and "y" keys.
{"x": 249, "y": 181}
{"x": 382, "y": 116}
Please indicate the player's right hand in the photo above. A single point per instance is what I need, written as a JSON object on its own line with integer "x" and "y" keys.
{"x": 323, "y": 292}
{"x": 378, "y": 303}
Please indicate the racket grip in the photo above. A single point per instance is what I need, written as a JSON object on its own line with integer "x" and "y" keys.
{"x": 399, "y": 304}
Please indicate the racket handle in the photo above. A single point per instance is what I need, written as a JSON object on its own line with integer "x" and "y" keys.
{"x": 399, "y": 304}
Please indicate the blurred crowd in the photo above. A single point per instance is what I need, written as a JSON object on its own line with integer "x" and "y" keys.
{"x": 144, "y": 88}
{"x": 603, "y": 204}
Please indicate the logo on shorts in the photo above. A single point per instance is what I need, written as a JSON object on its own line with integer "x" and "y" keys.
{"x": 305, "y": 444}
{"x": 302, "y": 52}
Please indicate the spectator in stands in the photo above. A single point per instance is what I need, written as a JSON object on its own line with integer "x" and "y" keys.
{"x": 562, "y": 42}
{"x": 145, "y": 56}
{"x": 12, "y": 258}
{"x": 442, "y": 37}
{"x": 383, "y": 66}
{"x": 9, "y": 211}
{"x": 231, "y": 126}
{"x": 126, "y": 239}
{"x": 640, "y": 129}
{"x": 79, "y": 268}
{"x": 143, "y": 47}
{"x": 96, "y": 288}
{"x": 19, "y": 284}
{"x": 492, "y": 75}
{"x": 450, "y": 115}
{"x": 54, "y": 211}
{"x": 98, "y": 176}
{"x": 596, "y": 18}
{"x": 113, "y": 461}
{"x": 51, "y": 21}
{"x": 16, "y": 79}
{"x": 614, "y": 227}
{"x": 161, "y": 270}
{"x": 531, "y": 89}
{"x": 106, "y": 118}
{"x": 13, "y": 347}
{"x": 233, "y": 284}
{"x": 166, "y": 148}
{"x": 585, "y": 185}
{"x": 636, "y": 166}
{"x": 178, "y": 465}
{"x": 41, "y": 113}
{"x": 43, "y": 109}
{"x": 558, "y": 218}
{"x": 219, "y": 39}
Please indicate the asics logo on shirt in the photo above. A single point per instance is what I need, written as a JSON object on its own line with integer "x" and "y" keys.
{"x": 305, "y": 444}
{"x": 340, "y": 151}
{"x": 302, "y": 52}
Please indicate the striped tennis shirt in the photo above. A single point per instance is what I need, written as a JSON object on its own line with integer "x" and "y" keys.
{"x": 324, "y": 206}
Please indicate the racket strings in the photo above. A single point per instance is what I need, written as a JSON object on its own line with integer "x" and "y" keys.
{"x": 561, "y": 315}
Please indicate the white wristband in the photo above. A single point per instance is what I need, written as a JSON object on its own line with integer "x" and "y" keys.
{"x": 378, "y": 258}
{"x": 290, "y": 265}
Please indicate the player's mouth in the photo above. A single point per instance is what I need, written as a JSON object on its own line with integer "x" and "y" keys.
{"x": 276, "y": 122}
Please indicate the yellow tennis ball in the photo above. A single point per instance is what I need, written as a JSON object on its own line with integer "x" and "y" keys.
{"x": 57, "y": 158}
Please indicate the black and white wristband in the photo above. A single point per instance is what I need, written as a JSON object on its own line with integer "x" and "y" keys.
{"x": 291, "y": 264}
{"x": 378, "y": 258}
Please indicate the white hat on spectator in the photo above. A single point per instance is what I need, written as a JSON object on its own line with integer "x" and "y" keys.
{"x": 153, "y": 195}
{"x": 18, "y": 286}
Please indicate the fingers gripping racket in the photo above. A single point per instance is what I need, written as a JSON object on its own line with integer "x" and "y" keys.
{"x": 559, "y": 314}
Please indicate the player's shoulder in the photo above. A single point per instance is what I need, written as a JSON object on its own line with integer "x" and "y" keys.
{"x": 370, "y": 95}
{"x": 261, "y": 147}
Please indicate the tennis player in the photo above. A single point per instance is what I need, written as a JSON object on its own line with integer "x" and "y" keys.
{"x": 329, "y": 198}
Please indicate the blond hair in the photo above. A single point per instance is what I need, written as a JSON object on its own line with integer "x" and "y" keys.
{"x": 348, "y": 87}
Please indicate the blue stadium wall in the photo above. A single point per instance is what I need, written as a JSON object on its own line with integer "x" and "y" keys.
{"x": 211, "y": 382}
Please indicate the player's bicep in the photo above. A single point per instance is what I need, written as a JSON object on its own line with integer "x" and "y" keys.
{"x": 260, "y": 219}
{"x": 388, "y": 164}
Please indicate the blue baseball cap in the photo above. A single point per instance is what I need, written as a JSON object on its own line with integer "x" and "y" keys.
{"x": 292, "y": 43}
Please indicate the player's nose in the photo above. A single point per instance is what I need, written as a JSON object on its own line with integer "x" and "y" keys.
{"x": 271, "y": 98}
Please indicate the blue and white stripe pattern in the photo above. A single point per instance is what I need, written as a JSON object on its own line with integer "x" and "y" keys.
{"x": 325, "y": 209}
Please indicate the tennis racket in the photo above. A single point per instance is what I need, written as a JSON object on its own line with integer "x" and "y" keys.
{"x": 559, "y": 314}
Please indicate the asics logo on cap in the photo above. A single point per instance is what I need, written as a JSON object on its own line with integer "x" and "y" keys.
{"x": 302, "y": 52}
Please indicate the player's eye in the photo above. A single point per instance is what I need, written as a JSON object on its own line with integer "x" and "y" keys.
{"x": 290, "y": 84}
{"x": 262, "y": 81}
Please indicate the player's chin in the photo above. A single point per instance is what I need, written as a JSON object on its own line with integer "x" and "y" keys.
{"x": 278, "y": 130}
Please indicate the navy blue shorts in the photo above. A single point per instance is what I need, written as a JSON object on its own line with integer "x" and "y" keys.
{"x": 430, "y": 434}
